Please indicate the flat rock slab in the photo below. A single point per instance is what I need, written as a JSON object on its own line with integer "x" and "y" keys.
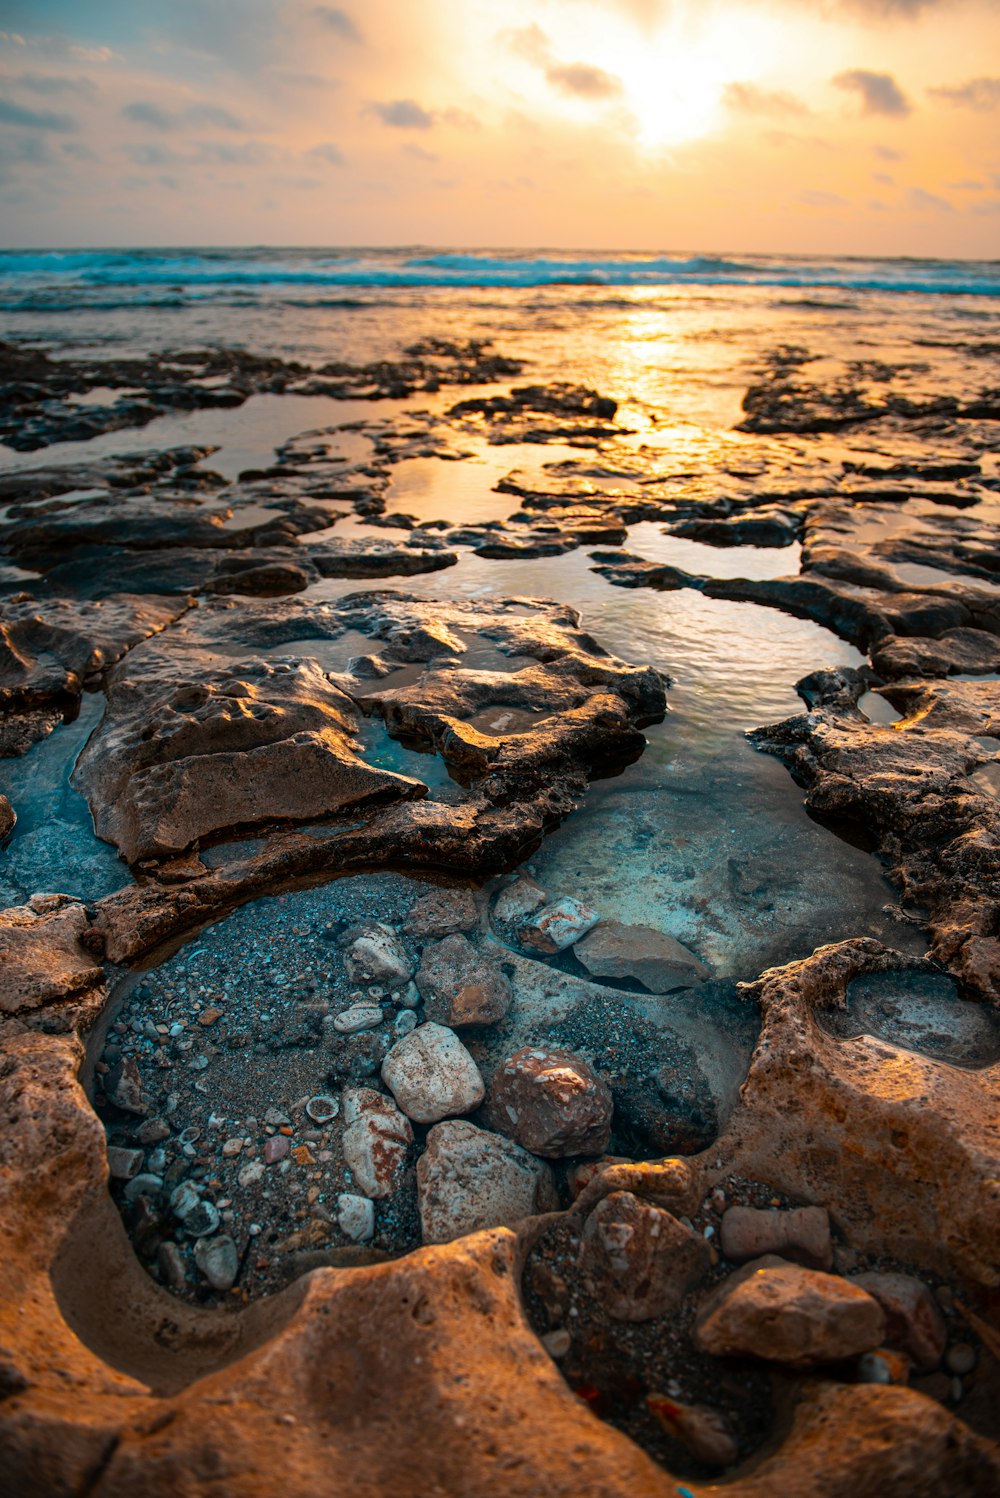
{"x": 210, "y": 730}
{"x": 650, "y": 957}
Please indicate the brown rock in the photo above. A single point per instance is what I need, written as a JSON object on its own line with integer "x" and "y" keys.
{"x": 469, "y": 1179}
{"x": 642, "y": 1260}
{"x": 247, "y": 743}
{"x": 7, "y": 817}
{"x": 786, "y": 1314}
{"x": 802, "y": 1235}
{"x": 442, "y": 912}
{"x": 41, "y": 958}
{"x": 652, "y": 958}
{"x": 550, "y": 1101}
{"x": 913, "y": 1318}
{"x": 461, "y": 987}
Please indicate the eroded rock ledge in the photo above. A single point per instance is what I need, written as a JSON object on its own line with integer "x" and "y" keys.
{"x": 900, "y": 1151}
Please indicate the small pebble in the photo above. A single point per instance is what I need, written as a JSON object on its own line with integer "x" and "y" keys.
{"x": 960, "y": 1358}
{"x": 359, "y": 1017}
{"x": 557, "y": 1343}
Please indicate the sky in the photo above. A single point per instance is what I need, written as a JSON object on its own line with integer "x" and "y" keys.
{"x": 810, "y": 126}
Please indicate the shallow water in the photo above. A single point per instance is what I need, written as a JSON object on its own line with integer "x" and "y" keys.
{"x": 53, "y": 848}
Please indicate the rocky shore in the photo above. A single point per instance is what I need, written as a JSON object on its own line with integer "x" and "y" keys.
{"x": 336, "y": 1139}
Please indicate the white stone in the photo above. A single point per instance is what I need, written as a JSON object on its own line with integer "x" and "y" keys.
{"x": 375, "y": 1141}
{"x": 378, "y": 956}
{"x": 519, "y": 899}
{"x": 356, "y": 1217}
{"x": 218, "y": 1260}
{"x": 358, "y": 1017}
{"x": 432, "y": 1075}
{"x": 251, "y": 1173}
{"x": 559, "y": 925}
{"x": 469, "y": 1179}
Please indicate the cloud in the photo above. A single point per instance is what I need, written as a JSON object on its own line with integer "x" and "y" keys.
{"x": 529, "y": 43}
{"x": 887, "y": 153}
{"x": 980, "y": 94}
{"x": 78, "y": 150}
{"x": 197, "y": 116}
{"x": 141, "y": 112}
{"x": 53, "y": 83}
{"x": 879, "y": 92}
{"x": 908, "y": 9}
{"x": 212, "y": 114}
{"x": 746, "y": 98}
{"x": 816, "y": 198}
{"x": 583, "y": 81}
{"x": 418, "y": 153}
{"x": 327, "y": 151}
{"x": 402, "y": 114}
{"x": 339, "y": 21}
{"x": 928, "y": 202}
{"x": 35, "y": 119}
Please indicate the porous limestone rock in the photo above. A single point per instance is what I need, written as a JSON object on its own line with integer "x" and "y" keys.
{"x": 378, "y": 956}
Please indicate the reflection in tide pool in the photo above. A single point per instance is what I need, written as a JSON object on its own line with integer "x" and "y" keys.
{"x": 703, "y": 836}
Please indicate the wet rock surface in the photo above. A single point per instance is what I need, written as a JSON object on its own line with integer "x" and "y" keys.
{"x": 303, "y": 1112}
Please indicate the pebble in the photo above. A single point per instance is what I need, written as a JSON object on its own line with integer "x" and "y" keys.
{"x": 375, "y": 1141}
{"x": 218, "y": 1261}
{"x": 519, "y": 899}
{"x": 802, "y": 1235}
{"x": 779, "y": 1311}
{"x": 356, "y": 1217}
{"x": 377, "y": 956}
{"x": 550, "y": 1101}
{"x": 559, "y": 925}
{"x": 960, "y": 1358}
{"x": 251, "y": 1173}
{"x": 123, "y": 1164}
{"x": 152, "y": 1131}
{"x": 171, "y": 1265}
{"x": 557, "y": 1343}
{"x": 275, "y": 1149}
{"x": 145, "y": 1184}
{"x": 364, "y": 1016}
{"x": 201, "y": 1220}
{"x": 405, "y": 1022}
{"x": 232, "y": 1147}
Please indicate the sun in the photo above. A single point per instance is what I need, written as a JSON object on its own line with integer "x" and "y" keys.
{"x": 673, "y": 81}
{"x": 666, "y": 85}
